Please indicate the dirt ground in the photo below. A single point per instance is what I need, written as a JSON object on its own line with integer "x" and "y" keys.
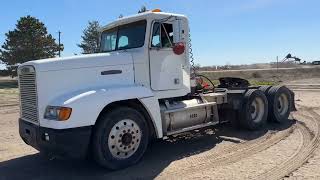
{"x": 287, "y": 151}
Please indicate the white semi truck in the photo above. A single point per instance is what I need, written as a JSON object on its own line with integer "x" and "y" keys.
{"x": 141, "y": 86}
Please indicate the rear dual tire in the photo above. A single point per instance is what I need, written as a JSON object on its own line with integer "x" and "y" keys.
{"x": 272, "y": 103}
{"x": 280, "y": 102}
{"x": 254, "y": 111}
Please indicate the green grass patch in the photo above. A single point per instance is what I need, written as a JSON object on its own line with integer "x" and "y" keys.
{"x": 9, "y": 91}
{"x": 263, "y": 83}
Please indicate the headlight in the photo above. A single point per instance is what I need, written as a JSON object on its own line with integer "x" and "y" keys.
{"x": 57, "y": 113}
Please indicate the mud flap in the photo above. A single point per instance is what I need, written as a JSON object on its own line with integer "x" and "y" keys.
{"x": 293, "y": 106}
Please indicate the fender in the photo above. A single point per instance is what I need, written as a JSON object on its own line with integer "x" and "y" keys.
{"x": 87, "y": 104}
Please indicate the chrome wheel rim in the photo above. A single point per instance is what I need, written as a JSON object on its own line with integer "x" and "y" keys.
{"x": 124, "y": 139}
{"x": 257, "y": 109}
{"x": 283, "y": 104}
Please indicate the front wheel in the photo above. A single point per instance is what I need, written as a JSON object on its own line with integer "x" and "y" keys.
{"x": 120, "y": 138}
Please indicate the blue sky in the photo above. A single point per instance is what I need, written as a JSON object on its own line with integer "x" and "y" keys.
{"x": 223, "y": 32}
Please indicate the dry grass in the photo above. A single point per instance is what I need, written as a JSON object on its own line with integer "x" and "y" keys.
{"x": 267, "y": 77}
{"x": 8, "y": 92}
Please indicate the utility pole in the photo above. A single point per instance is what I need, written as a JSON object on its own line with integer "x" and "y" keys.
{"x": 59, "y": 32}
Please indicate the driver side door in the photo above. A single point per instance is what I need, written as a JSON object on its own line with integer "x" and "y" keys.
{"x": 166, "y": 68}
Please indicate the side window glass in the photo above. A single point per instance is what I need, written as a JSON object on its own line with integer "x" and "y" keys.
{"x": 123, "y": 42}
{"x": 155, "y": 42}
{"x": 162, "y": 35}
{"x": 166, "y": 35}
{"x": 109, "y": 39}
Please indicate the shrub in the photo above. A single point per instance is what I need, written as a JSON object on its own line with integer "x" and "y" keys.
{"x": 256, "y": 75}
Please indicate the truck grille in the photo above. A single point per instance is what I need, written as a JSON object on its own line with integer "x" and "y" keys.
{"x": 28, "y": 93}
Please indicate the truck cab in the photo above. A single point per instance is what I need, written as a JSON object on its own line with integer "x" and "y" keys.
{"x": 139, "y": 87}
{"x": 150, "y": 38}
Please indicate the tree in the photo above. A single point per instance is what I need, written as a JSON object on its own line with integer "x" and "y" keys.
{"x": 143, "y": 9}
{"x": 28, "y": 41}
{"x": 90, "y": 38}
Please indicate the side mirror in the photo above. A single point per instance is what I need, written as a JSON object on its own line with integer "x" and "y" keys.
{"x": 178, "y": 48}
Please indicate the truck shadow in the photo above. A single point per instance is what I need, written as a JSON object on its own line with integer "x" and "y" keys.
{"x": 159, "y": 156}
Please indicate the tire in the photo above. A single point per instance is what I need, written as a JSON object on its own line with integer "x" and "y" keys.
{"x": 45, "y": 155}
{"x": 254, "y": 111}
{"x": 265, "y": 89}
{"x": 120, "y": 138}
{"x": 279, "y": 98}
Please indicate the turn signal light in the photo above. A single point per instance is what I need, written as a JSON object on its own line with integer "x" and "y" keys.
{"x": 64, "y": 113}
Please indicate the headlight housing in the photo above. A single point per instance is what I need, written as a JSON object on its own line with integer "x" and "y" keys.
{"x": 57, "y": 113}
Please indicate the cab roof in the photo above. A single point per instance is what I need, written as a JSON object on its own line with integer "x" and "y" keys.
{"x": 148, "y": 15}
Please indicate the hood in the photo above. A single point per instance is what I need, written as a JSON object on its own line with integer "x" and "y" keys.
{"x": 82, "y": 61}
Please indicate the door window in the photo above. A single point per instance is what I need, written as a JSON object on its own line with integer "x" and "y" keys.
{"x": 162, "y": 35}
{"x": 156, "y": 36}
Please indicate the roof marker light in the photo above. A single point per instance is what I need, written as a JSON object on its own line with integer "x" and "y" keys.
{"x": 156, "y": 10}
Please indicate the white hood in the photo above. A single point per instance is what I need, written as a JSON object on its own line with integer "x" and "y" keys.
{"x": 58, "y": 78}
{"x": 82, "y": 61}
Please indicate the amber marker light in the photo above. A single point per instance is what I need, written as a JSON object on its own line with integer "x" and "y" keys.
{"x": 156, "y": 10}
{"x": 64, "y": 113}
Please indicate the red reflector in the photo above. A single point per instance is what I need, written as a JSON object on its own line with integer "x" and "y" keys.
{"x": 179, "y": 48}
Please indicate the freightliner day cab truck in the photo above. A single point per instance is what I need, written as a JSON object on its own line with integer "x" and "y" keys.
{"x": 140, "y": 87}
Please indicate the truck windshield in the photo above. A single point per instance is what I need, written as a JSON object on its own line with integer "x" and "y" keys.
{"x": 123, "y": 37}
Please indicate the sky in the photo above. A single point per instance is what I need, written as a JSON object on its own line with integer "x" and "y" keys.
{"x": 222, "y": 32}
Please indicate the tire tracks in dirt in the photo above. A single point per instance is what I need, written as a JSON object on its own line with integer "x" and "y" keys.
{"x": 298, "y": 158}
{"x": 235, "y": 154}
